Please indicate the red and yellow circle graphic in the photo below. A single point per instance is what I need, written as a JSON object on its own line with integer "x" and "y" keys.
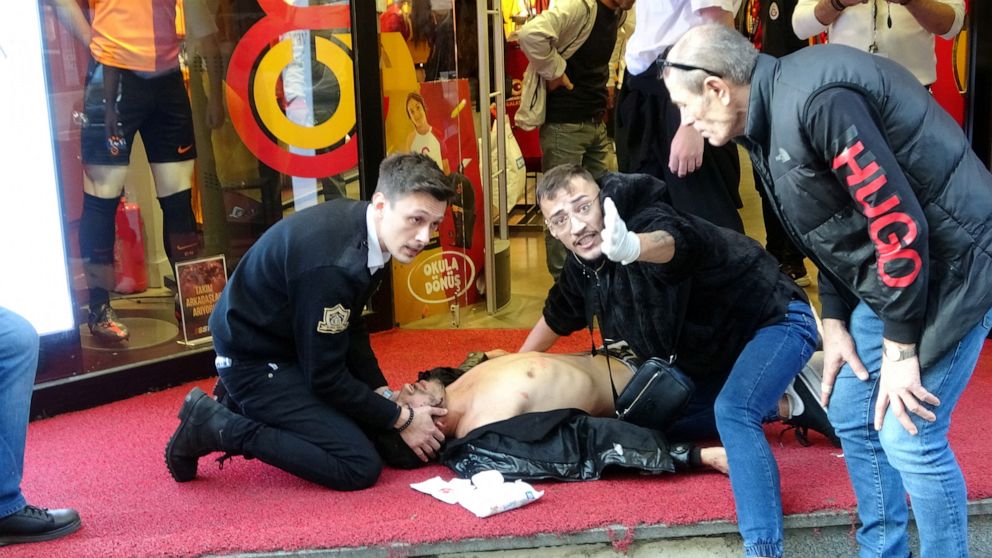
{"x": 252, "y": 83}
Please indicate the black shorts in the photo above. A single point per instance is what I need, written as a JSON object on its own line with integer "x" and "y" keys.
{"x": 158, "y": 107}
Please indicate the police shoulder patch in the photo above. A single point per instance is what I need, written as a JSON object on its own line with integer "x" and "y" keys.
{"x": 335, "y": 320}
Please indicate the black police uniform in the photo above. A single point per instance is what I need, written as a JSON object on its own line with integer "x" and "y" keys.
{"x": 294, "y": 353}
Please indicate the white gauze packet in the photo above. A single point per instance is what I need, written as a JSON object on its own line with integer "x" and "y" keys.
{"x": 486, "y": 494}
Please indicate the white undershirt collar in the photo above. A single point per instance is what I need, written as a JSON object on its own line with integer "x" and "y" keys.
{"x": 377, "y": 256}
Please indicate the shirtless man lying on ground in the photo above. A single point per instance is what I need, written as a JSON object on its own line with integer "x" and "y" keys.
{"x": 501, "y": 388}
{"x": 517, "y": 383}
{"x": 514, "y": 384}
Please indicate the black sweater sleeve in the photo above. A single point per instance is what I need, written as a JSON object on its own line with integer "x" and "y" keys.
{"x": 843, "y": 129}
{"x": 565, "y": 308}
{"x": 331, "y": 338}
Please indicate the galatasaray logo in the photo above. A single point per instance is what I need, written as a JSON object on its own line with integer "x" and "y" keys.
{"x": 335, "y": 320}
{"x": 252, "y": 81}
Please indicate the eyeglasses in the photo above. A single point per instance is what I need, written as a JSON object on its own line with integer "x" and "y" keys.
{"x": 663, "y": 63}
{"x": 560, "y": 221}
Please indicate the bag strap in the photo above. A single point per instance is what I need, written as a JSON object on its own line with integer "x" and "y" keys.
{"x": 683, "y": 303}
{"x": 683, "y": 293}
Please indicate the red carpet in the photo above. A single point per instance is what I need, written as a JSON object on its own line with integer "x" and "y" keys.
{"x": 107, "y": 462}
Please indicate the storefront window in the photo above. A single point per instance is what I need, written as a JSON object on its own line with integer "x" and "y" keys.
{"x": 429, "y": 65}
{"x": 34, "y": 282}
{"x": 183, "y": 130}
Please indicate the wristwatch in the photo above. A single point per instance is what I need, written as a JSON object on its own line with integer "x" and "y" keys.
{"x": 893, "y": 354}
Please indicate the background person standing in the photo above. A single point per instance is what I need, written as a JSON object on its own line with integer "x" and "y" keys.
{"x": 702, "y": 179}
{"x": 19, "y": 521}
{"x": 569, "y": 48}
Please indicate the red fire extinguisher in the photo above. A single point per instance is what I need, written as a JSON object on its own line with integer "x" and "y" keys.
{"x": 130, "y": 273}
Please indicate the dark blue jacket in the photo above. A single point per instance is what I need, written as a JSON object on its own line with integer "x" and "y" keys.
{"x": 297, "y": 296}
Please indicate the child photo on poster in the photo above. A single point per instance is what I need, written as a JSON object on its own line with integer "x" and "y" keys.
{"x": 436, "y": 124}
{"x": 422, "y": 139}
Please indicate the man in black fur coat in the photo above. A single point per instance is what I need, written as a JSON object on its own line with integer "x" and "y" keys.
{"x": 672, "y": 284}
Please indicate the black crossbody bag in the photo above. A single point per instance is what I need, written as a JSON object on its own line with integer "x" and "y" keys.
{"x": 659, "y": 392}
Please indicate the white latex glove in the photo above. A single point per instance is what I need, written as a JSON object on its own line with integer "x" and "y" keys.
{"x": 619, "y": 244}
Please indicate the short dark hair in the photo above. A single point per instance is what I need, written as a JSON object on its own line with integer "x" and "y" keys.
{"x": 391, "y": 446}
{"x": 394, "y": 451}
{"x": 444, "y": 374}
{"x": 414, "y": 96}
{"x": 402, "y": 174}
{"x": 559, "y": 178}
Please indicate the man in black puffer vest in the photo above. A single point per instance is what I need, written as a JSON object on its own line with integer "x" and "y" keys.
{"x": 879, "y": 187}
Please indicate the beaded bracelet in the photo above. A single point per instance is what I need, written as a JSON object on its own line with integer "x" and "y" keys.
{"x": 408, "y": 422}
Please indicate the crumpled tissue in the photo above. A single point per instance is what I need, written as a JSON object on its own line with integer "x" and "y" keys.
{"x": 484, "y": 495}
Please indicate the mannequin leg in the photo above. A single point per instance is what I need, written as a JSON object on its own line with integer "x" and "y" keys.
{"x": 96, "y": 245}
{"x": 172, "y": 184}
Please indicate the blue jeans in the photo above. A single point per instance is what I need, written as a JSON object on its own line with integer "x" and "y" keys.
{"x": 763, "y": 370}
{"x": 18, "y": 364}
{"x": 885, "y": 465}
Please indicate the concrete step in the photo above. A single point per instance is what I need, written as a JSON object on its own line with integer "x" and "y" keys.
{"x": 828, "y": 534}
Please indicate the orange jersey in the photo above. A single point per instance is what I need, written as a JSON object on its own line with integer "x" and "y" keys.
{"x": 136, "y": 35}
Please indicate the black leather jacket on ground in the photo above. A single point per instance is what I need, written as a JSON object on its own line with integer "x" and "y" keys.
{"x": 565, "y": 444}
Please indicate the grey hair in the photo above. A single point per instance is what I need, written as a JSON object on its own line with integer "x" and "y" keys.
{"x": 717, "y": 48}
{"x": 559, "y": 178}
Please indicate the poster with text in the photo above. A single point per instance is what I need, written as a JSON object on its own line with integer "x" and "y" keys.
{"x": 200, "y": 283}
{"x": 436, "y": 119}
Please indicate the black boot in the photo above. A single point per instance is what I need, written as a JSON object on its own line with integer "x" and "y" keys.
{"x": 201, "y": 427}
{"x": 33, "y": 524}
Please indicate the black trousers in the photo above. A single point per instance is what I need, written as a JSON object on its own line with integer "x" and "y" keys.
{"x": 698, "y": 420}
{"x": 646, "y": 122}
{"x": 777, "y": 241}
{"x": 295, "y": 430}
